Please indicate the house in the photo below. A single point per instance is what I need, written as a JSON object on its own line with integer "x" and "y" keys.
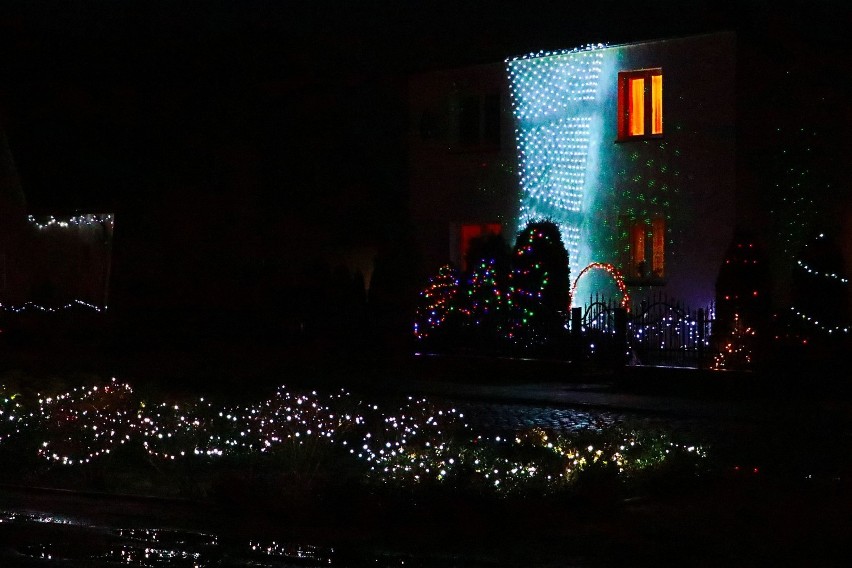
{"x": 650, "y": 157}
{"x": 630, "y": 149}
{"x": 50, "y": 262}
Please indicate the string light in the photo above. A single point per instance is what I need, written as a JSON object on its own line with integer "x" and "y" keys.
{"x": 520, "y": 299}
{"x": 736, "y": 349}
{"x": 437, "y": 301}
{"x": 810, "y": 320}
{"x": 616, "y": 276}
{"x": 538, "y": 284}
{"x": 485, "y": 298}
{"x": 837, "y": 283}
{"x": 30, "y": 306}
{"x": 552, "y": 100}
{"x": 87, "y": 220}
{"x": 74, "y": 222}
{"x": 414, "y": 442}
{"x": 810, "y": 270}
{"x": 543, "y": 53}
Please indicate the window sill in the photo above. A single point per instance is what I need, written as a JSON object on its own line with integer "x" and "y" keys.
{"x": 639, "y": 138}
{"x": 647, "y": 281}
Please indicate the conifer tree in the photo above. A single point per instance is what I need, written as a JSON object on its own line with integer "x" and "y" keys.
{"x": 484, "y": 294}
{"x": 437, "y": 303}
{"x": 538, "y": 285}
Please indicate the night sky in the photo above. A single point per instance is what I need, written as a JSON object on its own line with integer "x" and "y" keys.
{"x": 230, "y": 125}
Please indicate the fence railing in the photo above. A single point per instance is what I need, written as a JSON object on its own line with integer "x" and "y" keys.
{"x": 657, "y": 332}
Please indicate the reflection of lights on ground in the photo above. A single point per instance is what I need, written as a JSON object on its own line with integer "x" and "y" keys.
{"x": 153, "y": 548}
{"x": 412, "y": 443}
{"x": 151, "y": 556}
{"x": 292, "y": 551}
{"x": 128, "y": 555}
{"x": 18, "y": 517}
{"x": 163, "y": 536}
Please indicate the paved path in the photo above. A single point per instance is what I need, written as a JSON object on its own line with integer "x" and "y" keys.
{"x": 607, "y": 397}
{"x": 757, "y": 432}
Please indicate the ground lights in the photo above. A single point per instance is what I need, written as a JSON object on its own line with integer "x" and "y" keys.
{"x": 409, "y": 444}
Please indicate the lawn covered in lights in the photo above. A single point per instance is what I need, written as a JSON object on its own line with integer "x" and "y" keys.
{"x": 408, "y": 444}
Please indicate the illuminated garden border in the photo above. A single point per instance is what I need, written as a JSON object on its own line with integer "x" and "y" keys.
{"x": 408, "y": 443}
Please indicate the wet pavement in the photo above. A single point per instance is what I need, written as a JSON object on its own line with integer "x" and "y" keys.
{"x": 71, "y": 529}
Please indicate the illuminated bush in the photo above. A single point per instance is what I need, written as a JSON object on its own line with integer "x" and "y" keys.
{"x": 304, "y": 436}
{"x": 538, "y": 285}
{"x": 516, "y": 299}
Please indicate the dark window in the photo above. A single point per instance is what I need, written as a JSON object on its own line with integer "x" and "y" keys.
{"x": 479, "y": 121}
{"x": 469, "y": 121}
{"x": 469, "y": 232}
{"x": 491, "y": 110}
{"x": 428, "y": 125}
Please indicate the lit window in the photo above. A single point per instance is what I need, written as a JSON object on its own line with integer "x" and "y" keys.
{"x": 642, "y": 267}
{"x": 471, "y": 232}
{"x": 658, "y": 248}
{"x": 640, "y": 103}
{"x": 636, "y": 107}
{"x": 637, "y": 248}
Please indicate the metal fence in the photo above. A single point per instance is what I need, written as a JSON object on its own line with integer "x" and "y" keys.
{"x": 657, "y": 332}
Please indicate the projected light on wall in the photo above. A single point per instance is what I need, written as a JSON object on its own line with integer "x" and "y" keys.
{"x": 553, "y": 102}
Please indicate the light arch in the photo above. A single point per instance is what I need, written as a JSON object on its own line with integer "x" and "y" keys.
{"x": 617, "y": 276}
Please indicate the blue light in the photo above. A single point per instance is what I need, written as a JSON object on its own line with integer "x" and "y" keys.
{"x": 554, "y": 102}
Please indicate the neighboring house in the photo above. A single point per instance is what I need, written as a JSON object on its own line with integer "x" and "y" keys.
{"x": 630, "y": 149}
{"x": 50, "y": 261}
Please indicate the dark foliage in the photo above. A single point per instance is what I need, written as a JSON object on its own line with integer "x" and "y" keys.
{"x": 742, "y": 284}
{"x": 507, "y": 302}
{"x": 539, "y": 285}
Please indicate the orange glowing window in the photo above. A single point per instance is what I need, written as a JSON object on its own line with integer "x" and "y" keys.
{"x": 640, "y": 103}
{"x": 658, "y": 246}
{"x": 636, "y": 107}
{"x": 648, "y": 236}
{"x": 638, "y": 245}
{"x": 656, "y": 104}
{"x": 471, "y": 232}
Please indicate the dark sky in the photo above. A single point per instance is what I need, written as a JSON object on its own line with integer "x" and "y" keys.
{"x": 297, "y": 103}
{"x": 242, "y": 142}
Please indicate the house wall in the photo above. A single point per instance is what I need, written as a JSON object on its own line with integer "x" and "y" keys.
{"x": 48, "y": 261}
{"x": 13, "y": 226}
{"x": 68, "y": 260}
{"x": 574, "y": 170}
{"x": 462, "y": 168}
{"x": 559, "y": 159}
{"x": 687, "y": 177}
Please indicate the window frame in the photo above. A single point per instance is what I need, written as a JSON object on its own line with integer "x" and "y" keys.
{"x": 624, "y": 78}
{"x": 468, "y": 232}
{"x": 646, "y": 244}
